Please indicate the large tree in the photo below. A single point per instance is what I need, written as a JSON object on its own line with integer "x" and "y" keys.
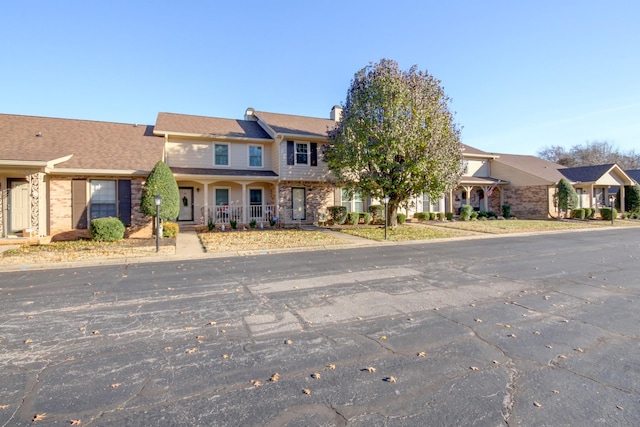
{"x": 161, "y": 181}
{"x": 396, "y": 136}
{"x": 589, "y": 154}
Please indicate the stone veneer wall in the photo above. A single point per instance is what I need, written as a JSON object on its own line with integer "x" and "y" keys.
{"x": 319, "y": 197}
{"x": 528, "y": 202}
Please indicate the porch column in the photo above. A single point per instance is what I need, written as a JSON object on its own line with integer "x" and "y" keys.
{"x": 245, "y": 204}
{"x": 451, "y": 201}
{"x": 468, "y": 189}
{"x": 485, "y": 190}
{"x": 205, "y": 214}
{"x": 622, "y": 207}
{"x": 276, "y": 202}
{"x": 591, "y": 197}
{"x": 441, "y": 206}
{"x": 501, "y": 197}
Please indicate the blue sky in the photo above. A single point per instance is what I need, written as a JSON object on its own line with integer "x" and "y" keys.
{"x": 522, "y": 75}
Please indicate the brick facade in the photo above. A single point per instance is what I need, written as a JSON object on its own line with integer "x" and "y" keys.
{"x": 527, "y": 202}
{"x": 319, "y": 196}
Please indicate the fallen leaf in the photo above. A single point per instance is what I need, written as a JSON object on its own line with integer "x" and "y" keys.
{"x": 619, "y": 407}
{"x": 383, "y": 337}
{"x": 29, "y": 317}
{"x": 546, "y": 297}
{"x": 369, "y": 369}
{"x": 96, "y": 332}
{"x": 188, "y": 328}
{"x": 191, "y": 350}
{"x": 82, "y": 329}
{"x": 211, "y": 323}
{"x": 200, "y": 337}
{"x": 225, "y": 356}
{"x": 495, "y": 362}
{"x": 181, "y": 313}
{"x": 474, "y": 368}
{"x": 168, "y": 348}
{"x": 511, "y": 335}
{"x": 28, "y": 341}
{"x": 256, "y": 383}
{"x": 562, "y": 356}
{"x": 391, "y": 379}
{"x": 315, "y": 376}
{"x": 537, "y": 405}
{"x": 274, "y": 378}
{"x": 422, "y": 354}
{"x": 556, "y": 391}
{"x": 75, "y": 422}
{"x": 507, "y": 326}
{"x": 536, "y": 333}
{"x": 39, "y": 417}
{"x": 4, "y": 406}
{"x": 579, "y": 350}
{"x": 115, "y": 385}
{"x": 548, "y": 346}
{"x": 331, "y": 366}
{"x": 478, "y": 320}
{"x": 288, "y": 342}
{"x": 306, "y": 391}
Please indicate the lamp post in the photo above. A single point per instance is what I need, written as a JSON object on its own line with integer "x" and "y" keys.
{"x": 612, "y": 199}
{"x": 385, "y": 199}
{"x": 157, "y": 199}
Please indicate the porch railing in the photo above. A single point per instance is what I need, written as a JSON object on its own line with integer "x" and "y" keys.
{"x": 240, "y": 214}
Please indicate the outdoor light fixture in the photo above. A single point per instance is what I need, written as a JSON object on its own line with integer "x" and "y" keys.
{"x": 158, "y": 200}
{"x": 612, "y": 199}
{"x": 385, "y": 199}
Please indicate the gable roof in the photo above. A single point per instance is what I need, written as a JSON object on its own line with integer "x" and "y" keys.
{"x": 470, "y": 151}
{"x": 290, "y": 126}
{"x": 587, "y": 173}
{"x": 208, "y": 127}
{"x": 86, "y": 144}
{"x": 532, "y": 165}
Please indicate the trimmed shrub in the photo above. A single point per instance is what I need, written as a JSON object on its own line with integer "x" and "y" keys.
{"x": 578, "y": 213}
{"x": 252, "y": 223}
{"x": 401, "y": 218}
{"x": 474, "y": 215}
{"x": 107, "y": 229}
{"x": 377, "y": 213}
{"x": 449, "y": 215}
{"x": 608, "y": 213}
{"x": 337, "y": 214}
{"x": 365, "y": 217}
{"x": 506, "y": 210}
{"x": 588, "y": 212}
{"x": 421, "y": 216}
{"x": 170, "y": 229}
{"x": 432, "y": 216}
{"x": 354, "y": 218}
{"x": 233, "y": 223}
{"x": 161, "y": 181}
{"x": 465, "y": 212}
{"x": 440, "y": 216}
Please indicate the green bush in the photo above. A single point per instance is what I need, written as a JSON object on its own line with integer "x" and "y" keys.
{"x": 440, "y": 216}
{"x": 162, "y": 182}
{"x": 506, "y": 210}
{"x": 252, "y": 223}
{"x": 401, "y": 218}
{"x": 578, "y": 213}
{"x": 608, "y": 213}
{"x": 465, "y": 212}
{"x": 474, "y": 215}
{"x": 337, "y": 214}
{"x": 377, "y": 213}
{"x": 233, "y": 223}
{"x": 365, "y": 217}
{"x": 449, "y": 215}
{"x": 354, "y": 218}
{"x": 483, "y": 214}
{"x": 170, "y": 229}
{"x": 107, "y": 229}
{"x": 432, "y": 216}
{"x": 421, "y": 216}
{"x": 588, "y": 212}
{"x": 211, "y": 224}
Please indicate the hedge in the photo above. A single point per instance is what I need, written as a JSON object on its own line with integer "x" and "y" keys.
{"x": 170, "y": 229}
{"x": 337, "y": 214}
{"x": 354, "y": 218}
{"x": 401, "y": 218}
{"x": 107, "y": 229}
{"x": 606, "y": 213}
{"x": 578, "y": 213}
{"x": 465, "y": 212}
{"x": 377, "y": 213}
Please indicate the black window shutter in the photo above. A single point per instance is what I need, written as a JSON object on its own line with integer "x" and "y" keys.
{"x": 314, "y": 154}
{"x": 290, "y": 153}
{"x": 79, "y": 203}
{"x": 124, "y": 201}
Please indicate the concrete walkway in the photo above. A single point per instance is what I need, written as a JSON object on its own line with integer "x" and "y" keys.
{"x": 188, "y": 244}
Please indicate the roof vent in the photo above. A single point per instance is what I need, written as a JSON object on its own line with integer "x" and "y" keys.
{"x": 39, "y": 134}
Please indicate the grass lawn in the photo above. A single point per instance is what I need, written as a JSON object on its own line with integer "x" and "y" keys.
{"x": 405, "y": 232}
{"x": 222, "y": 241}
{"x": 524, "y": 226}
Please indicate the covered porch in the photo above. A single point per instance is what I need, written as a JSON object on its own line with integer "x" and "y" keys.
{"x": 484, "y": 194}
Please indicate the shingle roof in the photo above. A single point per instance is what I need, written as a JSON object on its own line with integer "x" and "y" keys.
{"x": 211, "y": 126}
{"x": 634, "y": 174}
{"x": 94, "y": 145}
{"x": 532, "y": 165}
{"x": 296, "y": 125}
{"x": 467, "y": 149}
{"x": 586, "y": 173}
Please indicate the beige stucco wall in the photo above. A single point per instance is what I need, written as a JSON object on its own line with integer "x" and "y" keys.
{"x": 302, "y": 172}
{"x": 197, "y": 154}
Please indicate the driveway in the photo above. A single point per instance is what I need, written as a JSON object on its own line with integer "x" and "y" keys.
{"x": 519, "y": 331}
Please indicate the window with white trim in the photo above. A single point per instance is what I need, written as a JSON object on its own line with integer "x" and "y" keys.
{"x": 103, "y": 199}
{"x": 255, "y": 156}
{"x": 352, "y": 200}
{"x": 221, "y": 154}
{"x": 302, "y": 153}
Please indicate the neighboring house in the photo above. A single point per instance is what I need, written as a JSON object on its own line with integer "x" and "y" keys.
{"x": 58, "y": 174}
{"x": 597, "y": 184}
{"x": 634, "y": 174}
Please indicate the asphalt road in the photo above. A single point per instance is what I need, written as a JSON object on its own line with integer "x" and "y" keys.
{"x": 518, "y": 331}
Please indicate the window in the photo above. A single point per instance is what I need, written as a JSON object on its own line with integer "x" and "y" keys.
{"x": 428, "y": 205}
{"x": 222, "y": 154}
{"x": 222, "y": 197}
{"x": 255, "y": 156}
{"x": 255, "y": 203}
{"x": 103, "y": 199}
{"x": 302, "y": 153}
{"x": 352, "y": 200}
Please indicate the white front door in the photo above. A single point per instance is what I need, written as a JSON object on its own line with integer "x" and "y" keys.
{"x": 298, "y": 198}
{"x": 18, "y": 205}
{"x": 186, "y": 204}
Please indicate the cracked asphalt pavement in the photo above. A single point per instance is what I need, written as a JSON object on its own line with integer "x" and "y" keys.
{"x": 512, "y": 331}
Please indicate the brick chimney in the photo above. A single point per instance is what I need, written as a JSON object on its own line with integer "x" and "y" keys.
{"x": 336, "y": 113}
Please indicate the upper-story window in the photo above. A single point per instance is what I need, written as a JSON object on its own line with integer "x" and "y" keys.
{"x": 221, "y": 155}
{"x": 302, "y": 153}
{"x": 255, "y": 156}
